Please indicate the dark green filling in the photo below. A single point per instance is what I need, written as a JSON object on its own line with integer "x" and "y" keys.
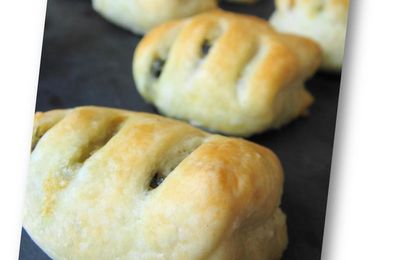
{"x": 157, "y": 67}
{"x": 156, "y": 181}
{"x": 205, "y": 48}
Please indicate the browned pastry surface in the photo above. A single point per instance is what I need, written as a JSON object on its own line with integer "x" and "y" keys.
{"x": 227, "y": 72}
{"x": 112, "y": 184}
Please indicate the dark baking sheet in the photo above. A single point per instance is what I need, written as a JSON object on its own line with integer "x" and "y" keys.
{"x": 87, "y": 61}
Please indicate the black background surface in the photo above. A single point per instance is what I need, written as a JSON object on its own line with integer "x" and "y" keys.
{"x": 87, "y": 61}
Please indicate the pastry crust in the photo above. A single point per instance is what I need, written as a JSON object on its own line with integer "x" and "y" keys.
{"x": 324, "y": 21}
{"x": 90, "y": 191}
{"x": 139, "y": 16}
{"x": 227, "y": 72}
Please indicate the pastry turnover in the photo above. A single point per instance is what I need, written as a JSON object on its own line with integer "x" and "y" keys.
{"x": 227, "y": 72}
{"x": 139, "y": 16}
{"x": 325, "y": 21}
{"x": 111, "y": 184}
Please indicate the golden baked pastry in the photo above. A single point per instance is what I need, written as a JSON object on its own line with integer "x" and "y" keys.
{"x": 324, "y": 21}
{"x": 227, "y": 72}
{"x": 111, "y": 184}
{"x": 139, "y": 16}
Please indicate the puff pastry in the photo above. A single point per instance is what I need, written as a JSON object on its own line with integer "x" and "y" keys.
{"x": 325, "y": 21}
{"x": 227, "y": 72}
{"x": 111, "y": 184}
{"x": 139, "y": 16}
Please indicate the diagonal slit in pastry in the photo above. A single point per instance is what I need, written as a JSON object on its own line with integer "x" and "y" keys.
{"x": 96, "y": 144}
{"x": 173, "y": 159}
{"x": 206, "y": 43}
{"x": 159, "y": 61}
{"x": 211, "y": 38}
{"x": 249, "y": 68}
{"x": 161, "y": 54}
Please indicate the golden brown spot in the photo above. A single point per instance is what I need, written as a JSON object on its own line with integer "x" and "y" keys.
{"x": 51, "y": 186}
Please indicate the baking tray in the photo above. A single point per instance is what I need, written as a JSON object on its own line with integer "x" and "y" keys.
{"x": 87, "y": 61}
